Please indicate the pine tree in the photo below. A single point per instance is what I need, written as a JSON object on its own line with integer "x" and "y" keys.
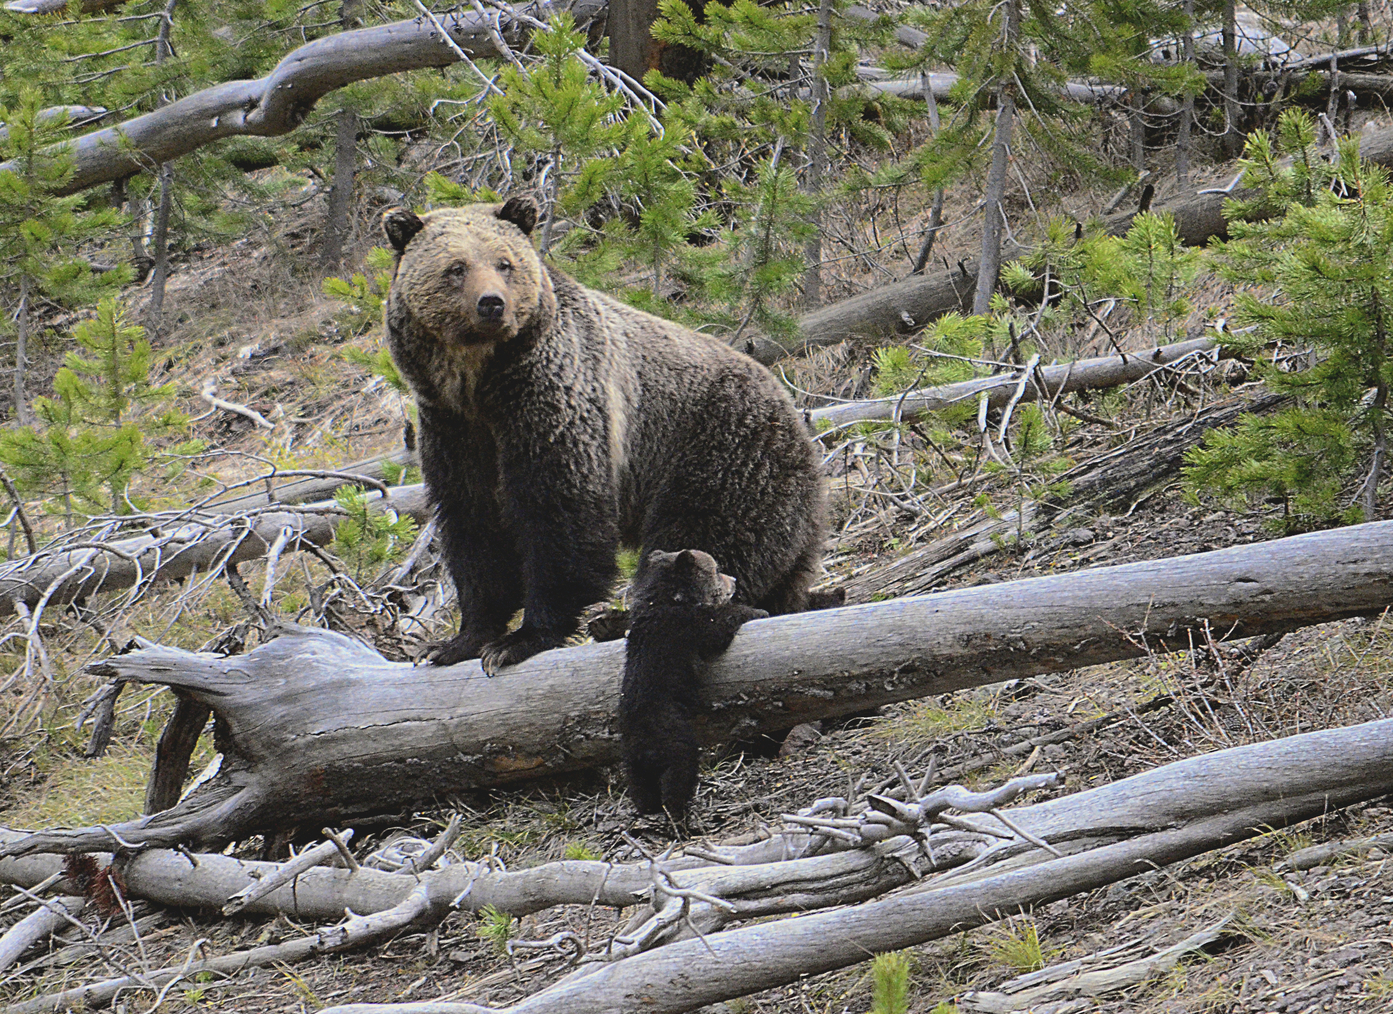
{"x": 99, "y": 430}
{"x": 1014, "y": 58}
{"x": 39, "y": 233}
{"x": 1329, "y": 257}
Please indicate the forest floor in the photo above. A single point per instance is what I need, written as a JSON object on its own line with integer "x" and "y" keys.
{"x": 1299, "y": 941}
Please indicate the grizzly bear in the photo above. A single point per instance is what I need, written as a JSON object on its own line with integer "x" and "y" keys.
{"x": 556, "y": 424}
{"x": 680, "y": 618}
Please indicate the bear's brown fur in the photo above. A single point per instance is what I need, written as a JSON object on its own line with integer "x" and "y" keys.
{"x": 557, "y": 423}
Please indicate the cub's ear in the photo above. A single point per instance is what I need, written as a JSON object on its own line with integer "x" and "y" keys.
{"x": 687, "y": 561}
{"x": 521, "y": 211}
{"x": 401, "y": 225}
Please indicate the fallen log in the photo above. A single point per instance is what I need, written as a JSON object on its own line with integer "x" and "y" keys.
{"x": 689, "y": 974}
{"x": 305, "y": 490}
{"x": 1106, "y": 482}
{"x": 190, "y": 540}
{"x": 1099, "y": 836}
{"x": 1047, "y": 381}
{"x": 316, "y": 727}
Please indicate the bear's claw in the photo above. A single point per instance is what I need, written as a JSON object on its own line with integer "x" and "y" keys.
{"x": 510, "y": 649}
{"x": 460, "y": 648}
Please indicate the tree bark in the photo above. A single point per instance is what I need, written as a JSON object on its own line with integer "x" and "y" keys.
{"x": 1187, "y": 108}
{"x": 994, "y": 214}
{"x": 336, "y": 227}
{"x": 817, "y": 156}
{"x": 160, "y": 238}
{"x": 632, "y": 47}
{"x": 317, "y": 727}
{"x": 1233, "y": 133}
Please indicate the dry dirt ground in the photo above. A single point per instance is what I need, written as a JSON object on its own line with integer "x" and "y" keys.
{"x": 1301, "y": 941}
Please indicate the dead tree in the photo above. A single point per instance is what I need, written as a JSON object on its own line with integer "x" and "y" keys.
{"x": 317, "y": 727}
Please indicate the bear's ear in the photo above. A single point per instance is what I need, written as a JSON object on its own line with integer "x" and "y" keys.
{"x": 521, "y": 211}
{"x": 686, "y": 561}
{"x": 401, "y": 225}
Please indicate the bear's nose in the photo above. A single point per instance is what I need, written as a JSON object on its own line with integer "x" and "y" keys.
{"x": 491, "y": 307}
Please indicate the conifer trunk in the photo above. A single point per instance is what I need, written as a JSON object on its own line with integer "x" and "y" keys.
{"x": 161, "y": 231}
{"x": 1187, "y": 108}
{"x": 22, "y": 412}
{"x": 994, "y": 222}
{"x": 631, "y": 45}
{"x": 921, "y": 261}
{"x": 817, "y": 161}
{"x": 1233, "y": 136}
{"x": 336, "y": 229}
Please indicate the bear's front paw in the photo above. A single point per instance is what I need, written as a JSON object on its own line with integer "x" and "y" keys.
{"x": 510, "y": 649}
{"x": 460, "y": 648}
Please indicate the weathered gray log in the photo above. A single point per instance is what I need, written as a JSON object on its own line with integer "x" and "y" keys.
{"x": 310, "y": 488}
{"x": 193, "y": 542}
{"x": 1110, "y": 481}
{"x": 1109, "y": 833}
{"x": 320, "y": 728}
{"x": 1103, "y": 371}
{"x": 279, "y": 102}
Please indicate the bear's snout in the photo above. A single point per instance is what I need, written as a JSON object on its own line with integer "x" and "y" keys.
{"x": 491, "y": 307}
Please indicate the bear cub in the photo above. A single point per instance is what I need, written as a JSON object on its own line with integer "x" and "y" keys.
{"x": 681, "y": 619}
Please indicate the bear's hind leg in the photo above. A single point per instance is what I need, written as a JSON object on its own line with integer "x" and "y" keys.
{"x": 790, "y": 593}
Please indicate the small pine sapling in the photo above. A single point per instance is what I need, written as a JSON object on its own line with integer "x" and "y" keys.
{"x": 367, "y": 539}
{"x": 1329, "y": 256}
{"x": 93, "y": 437}
{"x": 890, "y": 983}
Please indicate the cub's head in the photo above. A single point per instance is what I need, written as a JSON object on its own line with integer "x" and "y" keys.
{"x": 470, "y": 275}
{"x": 686, "y": 578}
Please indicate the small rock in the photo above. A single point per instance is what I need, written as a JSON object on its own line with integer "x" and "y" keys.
{"x": 800, "y": 739}
{"x": 1079, "y": 536}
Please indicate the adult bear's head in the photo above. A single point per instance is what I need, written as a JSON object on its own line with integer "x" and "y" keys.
{"x": 470, "y": 275}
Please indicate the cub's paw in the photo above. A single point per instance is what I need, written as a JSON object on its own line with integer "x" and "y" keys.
{"x": 510, "y": 649}
{"x": 609, "y": 626}
{"x": 460, "y": 648}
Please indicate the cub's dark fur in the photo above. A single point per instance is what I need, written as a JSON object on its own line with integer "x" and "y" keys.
{"x": 681, "y": 617}
{"x": 556, "y": 423}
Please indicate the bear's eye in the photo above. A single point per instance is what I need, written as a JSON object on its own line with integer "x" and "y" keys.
{"x": 505, "y": 266}
{"x": 457, "y": 270}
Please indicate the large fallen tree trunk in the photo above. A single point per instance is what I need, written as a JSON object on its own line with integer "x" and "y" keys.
{"x": 316, "y": 727}
{"x": 188, "y": 541}
{"x": 1099, "y": 836}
